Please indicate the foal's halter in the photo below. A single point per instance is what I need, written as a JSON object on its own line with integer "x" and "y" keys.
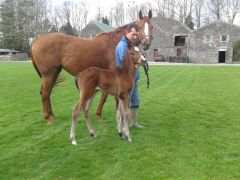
{"x": 144, "y": 63}
{"x": 136, "y": 59}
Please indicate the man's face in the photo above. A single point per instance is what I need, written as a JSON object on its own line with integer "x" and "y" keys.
{"x": 132, "y": 36}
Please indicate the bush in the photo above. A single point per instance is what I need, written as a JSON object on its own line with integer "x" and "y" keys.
{"x": 236, "y": 51}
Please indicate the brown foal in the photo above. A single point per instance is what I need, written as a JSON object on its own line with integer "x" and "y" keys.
{"x": 117, "y": 82}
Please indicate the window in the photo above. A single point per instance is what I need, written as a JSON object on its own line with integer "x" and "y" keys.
{"x": 156, "y": 52}
{"x": 179, "y": 40}
{"x": 224, "y": 38}
{"x": 208, "y": 39}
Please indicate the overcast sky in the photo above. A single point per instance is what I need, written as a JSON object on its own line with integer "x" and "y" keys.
{"x": 105, "y": 5}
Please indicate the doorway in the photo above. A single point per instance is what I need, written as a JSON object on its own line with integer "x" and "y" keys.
{"x": 221, "y": 56}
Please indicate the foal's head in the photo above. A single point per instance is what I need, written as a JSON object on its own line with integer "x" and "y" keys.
{"x": 135, "y": 56}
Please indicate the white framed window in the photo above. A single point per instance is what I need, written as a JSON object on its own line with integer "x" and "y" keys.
{"x": 207, "y": 38}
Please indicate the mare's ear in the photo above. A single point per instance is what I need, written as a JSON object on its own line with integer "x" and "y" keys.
{"x": 140, "y": 15}
{"x": 150, "y": 14}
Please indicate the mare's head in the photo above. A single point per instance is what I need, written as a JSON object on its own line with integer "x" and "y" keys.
{"x": 145, "y": 30}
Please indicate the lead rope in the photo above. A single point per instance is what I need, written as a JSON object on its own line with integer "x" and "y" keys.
{"x": 146, "y": 69}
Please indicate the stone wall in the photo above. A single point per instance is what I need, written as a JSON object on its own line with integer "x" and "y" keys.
{"x": 164, "y": 32}
{"x": 197, "y": 48}
{"x": 206, "y": 43}
{"x": 14, "y": 57}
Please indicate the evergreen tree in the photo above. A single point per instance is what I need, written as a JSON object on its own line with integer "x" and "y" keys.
{"x": 21, "y": 21}
{"x": 68, "y": 29}
{"x": 8, "y": 24}
{"x": 189, "y": 21}
{"x": 105, "y": 20}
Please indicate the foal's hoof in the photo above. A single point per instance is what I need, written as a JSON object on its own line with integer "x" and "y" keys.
{"x": 129, "y": 140}
{"x": 120, "y": 134}
{"x": 95, "y": 136}
{"x": 74, "y": 142}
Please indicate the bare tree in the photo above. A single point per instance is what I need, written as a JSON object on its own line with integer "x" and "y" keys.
{"x": 79, "y": 14}
{"x": 145, "y": 7}
{"x": 232, "y": 9}
{"x": 99, "y": 14}
{"x": 159, "y": 7}
{"x": 56, "y": 18}
{"x": 132, "y": 11}
{"x": 216, "y": 7}
{"x": 198, "y": 12}
{"x": 185, "y": 9}
{"x": 118, "y": 14}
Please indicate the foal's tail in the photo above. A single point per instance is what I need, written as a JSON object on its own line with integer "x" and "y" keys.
{"x": 76, "y": 80}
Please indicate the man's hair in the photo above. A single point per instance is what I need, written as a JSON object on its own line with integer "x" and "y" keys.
{"x": 132, "y": 25}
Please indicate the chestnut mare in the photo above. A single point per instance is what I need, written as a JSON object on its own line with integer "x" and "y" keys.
{"x": 56, "y": 51}
{"x": 116, "y": 82}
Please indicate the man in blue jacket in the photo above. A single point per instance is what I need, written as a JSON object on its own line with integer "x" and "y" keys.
{"x": 127, "y": 41}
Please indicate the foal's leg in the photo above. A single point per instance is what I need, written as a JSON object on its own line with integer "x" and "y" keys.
{"x": 88, "y": 120}
{"x": 119, "y": 120}
{"x": 100, "y": 107}
{"x": 125, "y": 115}
{"x": 75, "y": 115}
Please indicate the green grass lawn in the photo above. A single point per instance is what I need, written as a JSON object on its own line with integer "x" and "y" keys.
{"x": 191, "y": 115}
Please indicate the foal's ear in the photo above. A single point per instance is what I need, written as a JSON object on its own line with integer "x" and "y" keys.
{"x": 150, "y": 14}
{"x": 140, "y": 15}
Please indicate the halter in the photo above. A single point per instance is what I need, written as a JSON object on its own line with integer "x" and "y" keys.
{"x": 135, "y": 60}
{"x": 144, "y": 63}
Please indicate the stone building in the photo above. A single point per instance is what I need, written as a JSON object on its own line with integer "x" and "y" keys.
{"x": 175, "y": 42}
{"x": 213, "y": 43}
{"x": 170, "y": 40}
{"x": 12, "y": 55}
{"x": 93, "y": 28}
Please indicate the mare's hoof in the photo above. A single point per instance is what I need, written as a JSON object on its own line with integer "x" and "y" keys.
{"x": 99, "y": 118}
{"x": 50, "y": 119}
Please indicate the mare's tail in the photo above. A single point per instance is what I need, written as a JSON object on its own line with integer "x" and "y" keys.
{"x": 59, "y": 78}
{"x": 34, "y": 64}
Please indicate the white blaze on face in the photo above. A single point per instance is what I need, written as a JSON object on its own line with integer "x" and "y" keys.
{"x": 146, "y": 29}
{"x": 136, "y": 48}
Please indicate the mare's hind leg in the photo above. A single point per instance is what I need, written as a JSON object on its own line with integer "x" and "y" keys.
{"x": 100, "y": 107}
{"x": 75, "y": 115}
{"x": 48, "y": 82}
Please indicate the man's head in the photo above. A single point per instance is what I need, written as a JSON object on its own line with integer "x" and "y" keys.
{"x": 132, "y": 32}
